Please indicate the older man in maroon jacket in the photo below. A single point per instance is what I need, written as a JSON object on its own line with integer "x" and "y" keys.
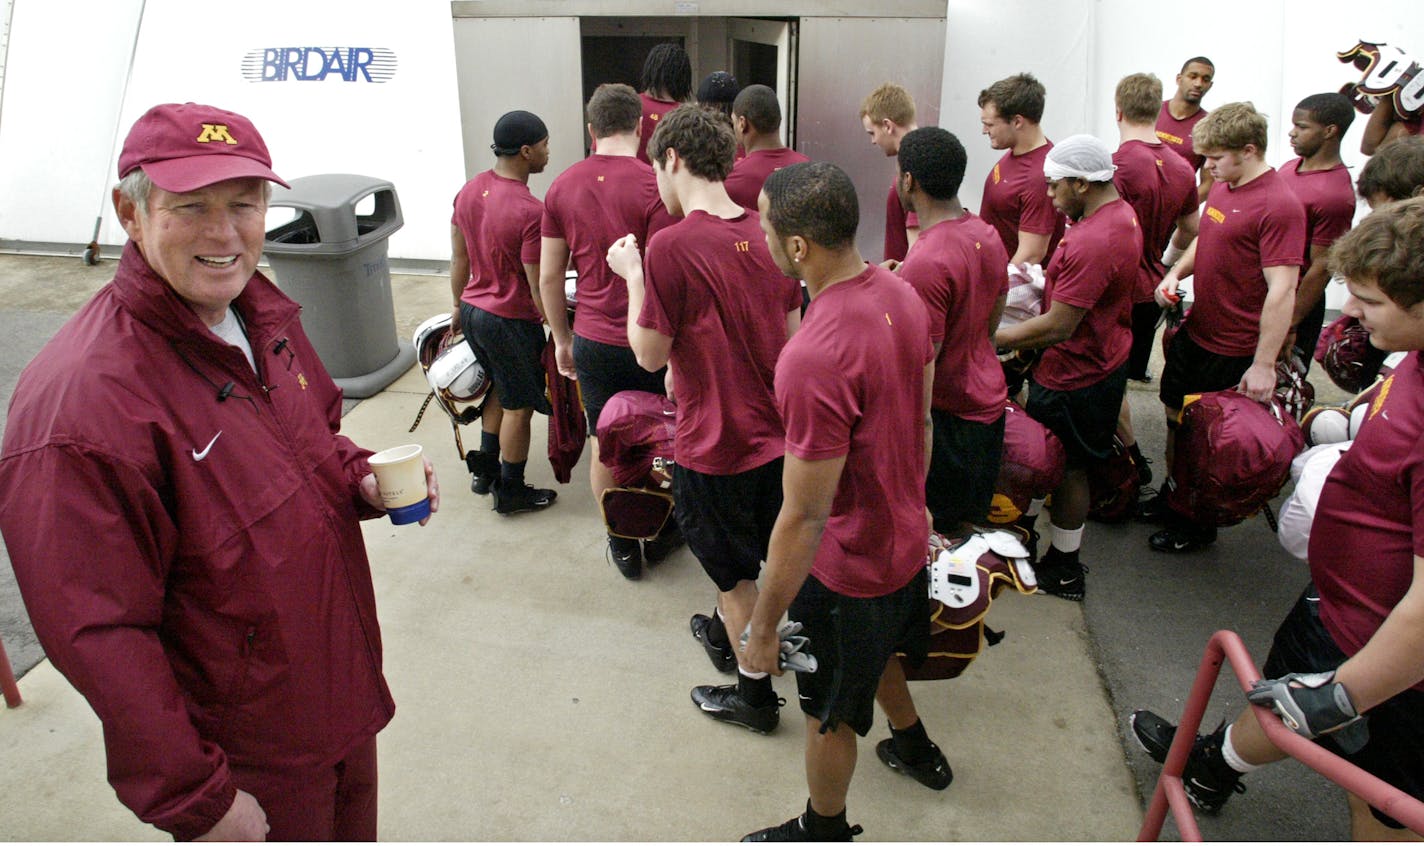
{"x": 182, "y": 514}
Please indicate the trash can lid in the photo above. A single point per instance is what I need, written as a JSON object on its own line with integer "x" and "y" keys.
{"x": 328, "y": 190}
{"x": 330, "y": 201}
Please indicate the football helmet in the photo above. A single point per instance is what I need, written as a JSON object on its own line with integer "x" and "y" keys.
{"x": 1344, "y": 350}
{"x": 450, "y": 366}
{"x": 1031, "y": 467}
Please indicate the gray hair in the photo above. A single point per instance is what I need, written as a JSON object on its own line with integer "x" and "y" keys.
{"x": 136, "y": 187}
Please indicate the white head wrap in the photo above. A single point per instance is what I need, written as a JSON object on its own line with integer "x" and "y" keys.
{"x": 1080, "y": 156}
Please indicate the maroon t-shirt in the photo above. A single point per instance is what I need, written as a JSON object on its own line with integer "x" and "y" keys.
{"x": 1328, "y": 197}
{"x": 590, "y": 205}
{"x": 653, "y": 111}
{"x": 1160, "y": 188}
{"x": 1369, "y": 523}
{"x": 850, "y": 383}
{"x": 897, "y": 220}
{"x": 749, "y": 174}
{"x": 1016, "y": 199}
{"x": 499, "y": 219}
{"x": 1177, "y": 134}
{"x": 1243, "y": 230}
{"x": 959, "y": 268}
{"x": 713, "y": 288}
{"x": 1096, "y": 268}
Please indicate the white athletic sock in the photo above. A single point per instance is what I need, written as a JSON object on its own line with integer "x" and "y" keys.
{"x": 1233, "y": 760}
{"x": 1035, "y": 506}
{"x": 1067, "y": 540}
{"x": 753, "y": 676}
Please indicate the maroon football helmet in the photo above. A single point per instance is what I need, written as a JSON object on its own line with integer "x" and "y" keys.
{"x": 1031, "y": 467}
{"x": 1345, "y": 351}
{"x": 1113, "y": 486}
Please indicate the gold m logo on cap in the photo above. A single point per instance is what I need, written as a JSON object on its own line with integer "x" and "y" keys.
{"x": 215, "y": 132}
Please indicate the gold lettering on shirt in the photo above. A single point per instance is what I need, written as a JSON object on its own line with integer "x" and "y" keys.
{"x": 1379, "y": 399}
{"x": 1215, "y": 214}
{"x": 888, "y": 320}
{"x": 1169, "y": 138}
{"x": 996, "y": 174}
{"x": 743, "y": 246}
{"x": 302, "y": 380}
{"x": 485, "y": 193}
{"x": 978, "y": 246}
{"x": 1159, "y": 162}
{"x": 600, "y": 179}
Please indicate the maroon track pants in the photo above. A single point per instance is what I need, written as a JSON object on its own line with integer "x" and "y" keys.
{"x": 329, "y": 803}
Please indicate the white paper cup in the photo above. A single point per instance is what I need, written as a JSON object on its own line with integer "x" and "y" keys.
{"x": 400, "y": 474}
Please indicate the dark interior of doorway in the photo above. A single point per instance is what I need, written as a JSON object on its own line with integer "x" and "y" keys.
{"x": 616, "y": 59}
{"x": 754, "y": 64}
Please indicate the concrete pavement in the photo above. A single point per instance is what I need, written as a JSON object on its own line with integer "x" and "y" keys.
{"x": 542, "y": 697}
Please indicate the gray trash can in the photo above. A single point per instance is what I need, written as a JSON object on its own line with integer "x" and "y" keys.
{"x": 333, "y": 262}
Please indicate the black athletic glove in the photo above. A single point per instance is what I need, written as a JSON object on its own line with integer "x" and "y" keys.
{"x": 1313, "y": 704}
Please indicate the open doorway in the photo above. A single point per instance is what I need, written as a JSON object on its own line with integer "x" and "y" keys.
{"x": 763, "y": 52}
{"x": 755, "y": 51}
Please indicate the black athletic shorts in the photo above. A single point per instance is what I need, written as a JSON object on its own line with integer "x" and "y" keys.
{"x": 1144, "y": 335}
{"x": 1191, "y": 369}
{"x": 852, "y": 638}
{"x": 1084, "y": 419}
{"x": 511, "y": 353}
{"x": 964, "y": 466}
{"x": 727, "y": 520}
{"x": 1395, "y": 751}
{"x": 604, "y": 370}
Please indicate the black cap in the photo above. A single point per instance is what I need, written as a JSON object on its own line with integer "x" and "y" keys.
{"x": 516, "y": 129}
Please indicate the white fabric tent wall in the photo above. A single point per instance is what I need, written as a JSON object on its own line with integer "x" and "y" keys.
{"x": 65, "y": 82}
{"x": 64, "y": 85}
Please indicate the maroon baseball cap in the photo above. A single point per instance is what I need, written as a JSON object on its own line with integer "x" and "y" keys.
{"x": 186, "y": 147}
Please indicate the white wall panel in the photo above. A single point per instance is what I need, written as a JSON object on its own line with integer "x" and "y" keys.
{"x": 495, "y": 57}
{"x": 987, "y": 41}
{"x": 841, "y": 61}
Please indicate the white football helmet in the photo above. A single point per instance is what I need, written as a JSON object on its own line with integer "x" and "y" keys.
{"x": 450, "y": 366}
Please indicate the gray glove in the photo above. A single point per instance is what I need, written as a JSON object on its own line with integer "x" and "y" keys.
{"x": 793, "y": 656}
{"x": 1313, "y": 704}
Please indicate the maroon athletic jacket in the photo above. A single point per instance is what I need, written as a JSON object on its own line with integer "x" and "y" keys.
{"x": 185, "y": 536}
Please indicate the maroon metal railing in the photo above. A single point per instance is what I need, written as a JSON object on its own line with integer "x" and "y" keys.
{"x": 1171, "y": 793}
{"x": 8, "y": 687}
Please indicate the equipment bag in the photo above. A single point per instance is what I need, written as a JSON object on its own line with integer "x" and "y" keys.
{"x": 1232, "y": 455}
